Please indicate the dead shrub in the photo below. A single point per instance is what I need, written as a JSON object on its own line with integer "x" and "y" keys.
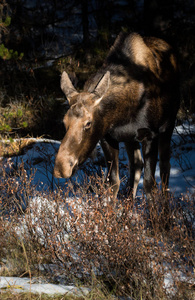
{"x": 16, "y": 188}
{"x": 146, "y": 252}
{"x": 88, "y": 234}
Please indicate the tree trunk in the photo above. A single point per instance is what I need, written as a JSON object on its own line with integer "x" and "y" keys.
{"x": 85, "y": 22}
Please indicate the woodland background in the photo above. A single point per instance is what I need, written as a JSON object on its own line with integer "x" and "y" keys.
{"x": 38, "y": 39}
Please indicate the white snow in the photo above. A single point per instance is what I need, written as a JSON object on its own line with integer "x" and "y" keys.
{"x": 17, "y": 284}
{"x": 40, "y": 158}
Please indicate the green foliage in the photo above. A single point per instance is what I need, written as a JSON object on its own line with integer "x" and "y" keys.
{"x": 7, "y": 54}
{"x": 25, "y": 124}
{"x": 14, "y": 117}
{"x": 6, "y": 23}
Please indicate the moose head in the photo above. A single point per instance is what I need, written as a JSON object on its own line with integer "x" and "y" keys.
{"x": 83, "y": 125}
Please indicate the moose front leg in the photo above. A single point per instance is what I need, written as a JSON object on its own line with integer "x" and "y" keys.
{"x": 135, "y": 165}
{"x": 150, "y": 154}
{"x": 111, "y": 152}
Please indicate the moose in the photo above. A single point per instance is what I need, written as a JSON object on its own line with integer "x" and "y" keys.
{"x": 133, "y": 98}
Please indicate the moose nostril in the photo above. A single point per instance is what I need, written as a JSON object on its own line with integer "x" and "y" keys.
{"x": 57, "y": 172}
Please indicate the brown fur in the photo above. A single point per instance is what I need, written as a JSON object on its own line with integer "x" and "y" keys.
{"x": 134, "y": 99}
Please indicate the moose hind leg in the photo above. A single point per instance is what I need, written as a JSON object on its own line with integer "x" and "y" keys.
{"x": 111, "y": 152}
{"x": 150, "y": 154}
{"x": 164, "y": 159}
{"x": 135, "y": 165}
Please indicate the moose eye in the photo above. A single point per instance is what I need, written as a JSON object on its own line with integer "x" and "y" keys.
{"x": 87, "y": 125}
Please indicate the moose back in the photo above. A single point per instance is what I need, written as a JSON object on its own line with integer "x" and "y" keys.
{"x": 133, "y": 99}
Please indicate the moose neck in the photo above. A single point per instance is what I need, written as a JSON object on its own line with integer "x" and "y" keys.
{"x": 119, "y": 111}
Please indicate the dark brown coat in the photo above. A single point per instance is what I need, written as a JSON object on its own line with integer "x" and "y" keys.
{"x": 133, "y": 99}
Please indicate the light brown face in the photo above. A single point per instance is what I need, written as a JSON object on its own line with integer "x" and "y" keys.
{"x": 83, "y": 128}
{"x": 79, "y": 140}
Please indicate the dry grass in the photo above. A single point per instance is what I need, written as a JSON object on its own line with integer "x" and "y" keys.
{"x": 10, "y": 295}
{"x": 12, "y": 147}
{"x": 117, "y": 247}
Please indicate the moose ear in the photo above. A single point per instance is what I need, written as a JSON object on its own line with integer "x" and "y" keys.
{"x": 102, "y": 86}
{"x": 67, "y": 86}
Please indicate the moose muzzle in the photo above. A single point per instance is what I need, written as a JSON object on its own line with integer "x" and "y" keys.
{"x": 64, "y": 167}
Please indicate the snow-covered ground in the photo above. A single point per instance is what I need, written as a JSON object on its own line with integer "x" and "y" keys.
{"x": 38, "y": 158}
{"x": 39, "y": 286}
